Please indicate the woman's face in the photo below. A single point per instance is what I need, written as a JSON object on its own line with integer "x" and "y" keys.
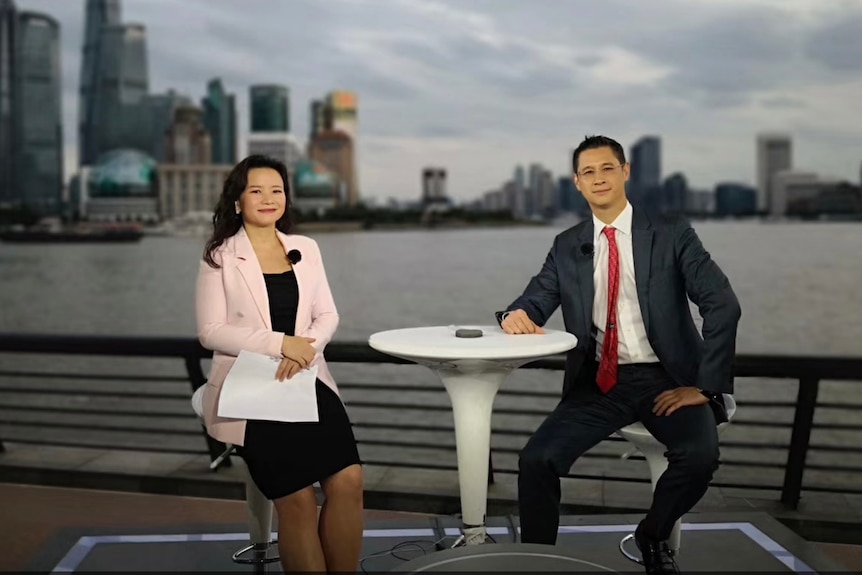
{"x": 264, "y": 200}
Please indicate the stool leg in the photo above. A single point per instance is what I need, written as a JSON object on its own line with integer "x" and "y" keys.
{"x": 259, "y": 514}
{"x": 259, "y": 529}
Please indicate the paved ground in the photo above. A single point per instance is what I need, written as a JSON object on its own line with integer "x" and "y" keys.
{"x": 33, "y": 514}
{"x": 34, "y": 517}
{"x": 427, "y": 491}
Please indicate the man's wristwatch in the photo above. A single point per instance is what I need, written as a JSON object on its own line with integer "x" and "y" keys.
{"x": 501, "y": 315}
{"x": 712, "y": 396}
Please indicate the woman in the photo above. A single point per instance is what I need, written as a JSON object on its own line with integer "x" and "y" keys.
{"x": 262, "y": 290}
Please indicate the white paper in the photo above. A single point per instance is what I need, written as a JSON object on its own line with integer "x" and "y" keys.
{"x": 251, "y": 391}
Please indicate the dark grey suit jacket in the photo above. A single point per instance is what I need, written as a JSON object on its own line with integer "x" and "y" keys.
{"x": 671, "y": 266}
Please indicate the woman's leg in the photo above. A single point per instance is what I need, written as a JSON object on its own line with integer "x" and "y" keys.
{"x": 298, "y": 541}
{"x": 341, "y": 519}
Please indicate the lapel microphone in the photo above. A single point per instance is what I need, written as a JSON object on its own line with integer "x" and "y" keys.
{"x": 587, "y": 249}
{"x": 294, "y": 256}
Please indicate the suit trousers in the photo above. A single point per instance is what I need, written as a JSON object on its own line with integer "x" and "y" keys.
{"x": 577, "y": 424}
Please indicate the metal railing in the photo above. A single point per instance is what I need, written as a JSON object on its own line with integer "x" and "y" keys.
{"x": 808, "y": 372}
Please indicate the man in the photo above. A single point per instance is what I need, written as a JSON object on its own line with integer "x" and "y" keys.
{"x": 623, "y": 279}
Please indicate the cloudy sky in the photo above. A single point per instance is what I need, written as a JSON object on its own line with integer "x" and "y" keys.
{"x": 479, "y": 86}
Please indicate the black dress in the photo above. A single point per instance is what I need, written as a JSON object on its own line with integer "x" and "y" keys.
{"x": 283, "y": 458}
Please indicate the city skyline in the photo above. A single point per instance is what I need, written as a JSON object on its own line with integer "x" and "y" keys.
{"x": 480, "y": 89}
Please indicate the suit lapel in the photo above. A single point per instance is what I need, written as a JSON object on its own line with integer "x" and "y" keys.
{"x": 642, "y": 235}
{"x": 584, "y": 274}
{"x": 249, "y": 269}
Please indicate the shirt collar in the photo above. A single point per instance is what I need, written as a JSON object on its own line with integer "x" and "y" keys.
{"x": 623, "y": 223}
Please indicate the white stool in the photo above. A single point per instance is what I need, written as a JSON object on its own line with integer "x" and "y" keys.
{"x": 653, "y": 451}
{"x": 259, "y": 508}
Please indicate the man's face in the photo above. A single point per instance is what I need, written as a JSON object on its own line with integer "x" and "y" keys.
{"x": 601, "y": 178}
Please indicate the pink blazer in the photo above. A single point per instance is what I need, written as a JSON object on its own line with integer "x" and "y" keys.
{"x": 233, "y": 314}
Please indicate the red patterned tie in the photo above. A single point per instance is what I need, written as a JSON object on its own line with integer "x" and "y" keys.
{"x": 607, "y": 375}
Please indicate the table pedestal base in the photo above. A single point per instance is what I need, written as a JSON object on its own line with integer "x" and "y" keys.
{"x": 472, "y": 386}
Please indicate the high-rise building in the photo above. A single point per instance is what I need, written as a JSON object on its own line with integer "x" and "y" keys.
{"x": 433, "y": 186}
{"x": 341, "y": 110}
{"x": 124, "y": 88}
{"x": 187, "y": 140}
{"x": 149, "y": 121}
{"x": 270, "y": 108}
{"x": 645, "y": 179}
{"x": 646, "y": 161}
{"x": 38, "y": 142}
{"x": 98, "y": 14}
{"x": 529, "y": 203}
{"x": 8, "y": 114}
{"x": 522, "y": 192}
{"x": 774, "y": 154}
{"x": 279, "y": 145}
{"x": 674, "y": 191}
{"x": 334, "y": 149}
{"x": 220, "y": 120}
{"x": 732, "y": 199}
{"x": 570, "y": 199}
{"x": 545, "y": 198}
{"x": 318, "y": 118}
{"x": 114, "y": 113}
{"x": 519, "y": 176}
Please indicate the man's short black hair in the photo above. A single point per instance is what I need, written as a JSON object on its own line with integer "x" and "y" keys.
{"x": 593, "y": 142}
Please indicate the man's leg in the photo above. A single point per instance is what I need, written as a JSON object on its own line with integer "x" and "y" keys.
{"x": 571, "y": 429}
{"x": 691, "y": 437}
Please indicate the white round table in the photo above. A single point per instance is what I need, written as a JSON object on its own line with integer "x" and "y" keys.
{"x": 472, "y": 370}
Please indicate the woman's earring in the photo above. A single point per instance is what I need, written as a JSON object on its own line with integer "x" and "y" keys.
{"x": 236, "y": 207}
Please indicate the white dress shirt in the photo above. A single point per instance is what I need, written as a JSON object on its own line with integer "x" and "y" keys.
{"x": 634, "y": 347}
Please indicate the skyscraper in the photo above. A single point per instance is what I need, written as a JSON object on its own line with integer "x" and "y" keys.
{"x": 318, "y": 119}
{"x": 341, "y": 111}
{"x": 334, "y": 149}
{"x": 8, "y": 114}
{"x": 187, "y": 140}
{"x": 99, "y": 13}
{"x": 270, "y": 108}
{"x": 646, "y": 161}
{"x": 149, "y": 120}
{"x": 433, "y": 185}
{"x": 220, "y": 120}
{"x": 114, "y": 85}
{"x": 124, "y": 86}
{"x": 341, "y": 116}
{"x": 520, "y": 176}
{"x": 774, "y": 154}
{"x": 39, "y": 135}
{"x": 645, "y": 179}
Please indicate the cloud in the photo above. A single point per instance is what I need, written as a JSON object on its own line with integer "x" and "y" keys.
{"x": 782, "y": 102}
{"x": 837, "y": 43}
{"x": 482, "y": 86}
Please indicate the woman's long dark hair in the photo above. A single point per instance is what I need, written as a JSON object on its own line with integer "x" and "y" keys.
{"x": 226, "y": 222}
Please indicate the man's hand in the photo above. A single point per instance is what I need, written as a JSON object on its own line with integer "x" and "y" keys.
{"x": 669, "y": 401}
{"x": 287, "y": 368}
{"x": 519, "y": 322}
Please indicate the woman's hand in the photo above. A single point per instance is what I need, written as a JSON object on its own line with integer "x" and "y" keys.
{"x": 298, "y": 349}
{"x": 287, "y": 369}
